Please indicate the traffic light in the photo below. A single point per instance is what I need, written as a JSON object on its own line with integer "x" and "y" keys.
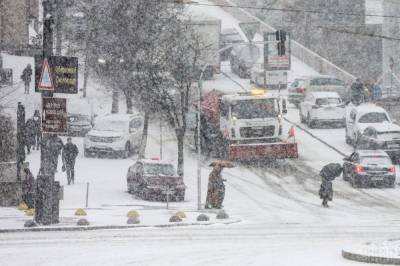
{"x": 281, "y": 37}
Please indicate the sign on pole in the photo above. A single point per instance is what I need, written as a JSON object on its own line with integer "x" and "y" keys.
{"x": 54, "y": 115}
{"x": 249, "y": 29}
{"x": 46, "y": 79}
{"x": 272, "y": 59}
{"x": 59, "y": 71}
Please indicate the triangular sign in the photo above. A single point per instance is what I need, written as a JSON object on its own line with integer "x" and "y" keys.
{"x": 249, "y": 29}
{"x": 46, "y": 81}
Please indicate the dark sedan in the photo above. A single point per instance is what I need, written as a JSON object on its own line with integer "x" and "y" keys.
{"x": 155, "y": 180}
{"x": 365, "y": 168}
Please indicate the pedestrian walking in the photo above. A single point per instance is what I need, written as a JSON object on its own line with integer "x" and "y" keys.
{"x": 216, "y": 186}
{"x": 357, "y": 92}
{"x": 28, "y": 188}
{"x": 37, "y": 128}
{"x": 27, "y": 77}
{"x": 69, "y": 154}
{"x": 328, "y": 174}
{"x": 30, "y": 135}
{"x": 376, "y": 92}
{"x": 51, "y": 147}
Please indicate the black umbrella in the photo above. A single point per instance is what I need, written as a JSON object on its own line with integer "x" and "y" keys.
{"x": 331, "y": 171}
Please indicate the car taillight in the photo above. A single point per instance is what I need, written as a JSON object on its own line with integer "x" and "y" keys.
{"x": 300, "y": 90}
{"x": 392, "y": 169}
{"x": 359, "y": 169}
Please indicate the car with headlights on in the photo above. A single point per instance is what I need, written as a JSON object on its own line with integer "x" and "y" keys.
{"x": 114, "y": 134}
{"x": 366, "y": 167}
{"x": 322, "y": 107}
{"x": 153, "y": 179}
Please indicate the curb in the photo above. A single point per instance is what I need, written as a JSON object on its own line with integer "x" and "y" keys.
{"x": 369, "y": 259}
{"x": 105, "y": 227}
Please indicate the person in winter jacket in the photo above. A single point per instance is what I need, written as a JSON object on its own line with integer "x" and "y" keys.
{"x": 376, "y": 92}
{"x": 216, "y": 188}
{"x": 27, "y": 77}
{"x": 51, "y": 147}
{"x": 357, "y": 92}
{"x": 30, "y": 135}
{"x": 28, "y": 191}
{"x": 38, "y": 128}
{"x": 69, "y": 154}
{"x": 328, "y": 173}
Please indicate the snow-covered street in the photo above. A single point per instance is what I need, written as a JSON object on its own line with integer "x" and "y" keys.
{"x": 276, "y": 217}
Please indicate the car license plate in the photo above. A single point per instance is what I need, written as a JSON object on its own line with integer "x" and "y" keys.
{"x": 329, "y": 108}
{"x": 377, "y": 178}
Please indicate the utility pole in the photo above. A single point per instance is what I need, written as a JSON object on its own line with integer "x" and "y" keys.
{"x": 59, "y": 19}
{"x": 47, "y": 200}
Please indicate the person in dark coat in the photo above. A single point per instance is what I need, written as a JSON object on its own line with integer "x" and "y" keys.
{"x": 30, "y": 135}
{"x": 28, "y": 194}
{"x": 328, "y": 173}
{"x": 357, "y": 92}
{"x": 69, "y": 154}
{"x": 216, "y": 188}
{"x": 27, "y": 77}
{"x": 38, "y": 128}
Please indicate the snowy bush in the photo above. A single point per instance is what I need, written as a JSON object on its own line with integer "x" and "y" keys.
{"x": 203, "y": 218}
{"x": 222, "y": 215}
{"x": 133, "y": 220}
{"x": 83, "y": 222}
{"x": 175, "y": 219}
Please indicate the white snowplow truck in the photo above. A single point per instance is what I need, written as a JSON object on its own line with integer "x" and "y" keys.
{"x": 245, "y": 126}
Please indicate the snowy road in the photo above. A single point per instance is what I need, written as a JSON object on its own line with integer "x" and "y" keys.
{"x": 301, "y": 245}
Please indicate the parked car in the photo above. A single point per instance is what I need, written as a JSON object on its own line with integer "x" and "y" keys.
{"x": 80, "y": 117}
{"x": 385, "y": 137}
{"x": 322, "y": 107}
{"x": 358, "y": 118}
{"x": 114, "y": 134}
{"x": 296, "y": 91}
{"x": 365, "y": 168}
{"x": 320, "y": 83}
{"x": 153, "y": 179}
{"x": 229, "y": 36}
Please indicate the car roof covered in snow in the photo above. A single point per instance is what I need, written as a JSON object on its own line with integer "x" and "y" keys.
{"x": 370, "y": 153}
{"x": 118, "y": 117}
{"x": 369, "y": 108}
{"x": 155, "y": 161}
{"x": 325, "y": 94}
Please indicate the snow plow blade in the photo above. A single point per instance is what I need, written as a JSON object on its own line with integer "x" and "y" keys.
{"x": 245, "y": 152}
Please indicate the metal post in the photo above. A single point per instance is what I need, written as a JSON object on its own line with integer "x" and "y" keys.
{"x": 87, "y": 194}
{"x": 199, "y": 144}
{"x": 161, "y": 139}
{"x": 47, "y": 202}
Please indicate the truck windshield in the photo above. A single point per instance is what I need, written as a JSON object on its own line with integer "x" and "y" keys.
{"x": 159, "y": 169}
{"x": 250, "y": 109}
{"x": 373, "y": 118}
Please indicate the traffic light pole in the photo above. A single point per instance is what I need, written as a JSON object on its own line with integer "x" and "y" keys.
{"x": 47, "y": 202}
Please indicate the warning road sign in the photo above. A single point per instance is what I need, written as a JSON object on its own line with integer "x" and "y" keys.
{"x": 46, "y": 80}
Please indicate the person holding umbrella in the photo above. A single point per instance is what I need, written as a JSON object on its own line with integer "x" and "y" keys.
{"x": 216, "y": 186}
{"x": 328, "y": 173}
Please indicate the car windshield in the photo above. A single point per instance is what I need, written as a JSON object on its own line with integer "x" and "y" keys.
{"x": 327, "y": 101}
{"x": 159, "y": 169}
{"x": 326, "y": 82}
{"x": 378, "y": 160}
{"x": 109, "y": 125}
{"x": 250, "y": 109}
{"x": 374, "y": 117}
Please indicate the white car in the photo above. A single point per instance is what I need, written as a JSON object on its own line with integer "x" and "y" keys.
{"x": 113, "y": 134}
{"x": 322, "y": 107}
{"x": 325, "y": 83}
{"x": 367, "y": 115}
